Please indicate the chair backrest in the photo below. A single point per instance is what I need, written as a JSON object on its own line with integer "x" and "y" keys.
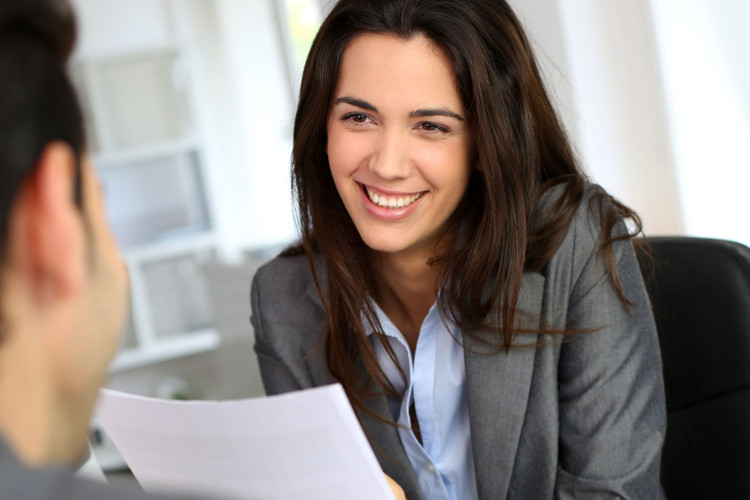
{"x": 700, "y": 289}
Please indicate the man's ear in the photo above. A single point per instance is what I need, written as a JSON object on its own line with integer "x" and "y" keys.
{"x": 48, "y": 237}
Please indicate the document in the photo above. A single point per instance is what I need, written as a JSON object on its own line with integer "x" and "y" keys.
{"x": 304, "y": 445}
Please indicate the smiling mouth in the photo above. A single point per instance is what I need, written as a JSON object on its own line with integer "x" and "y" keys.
{"x": 391, "y": 201}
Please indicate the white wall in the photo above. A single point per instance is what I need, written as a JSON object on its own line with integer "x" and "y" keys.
{"x": 599, "y": 62}
{"x": 542, "y": 22}
{"x": 107, "y": 26}
{"x": 245, "y": 113}
{"x": 656, "y": 95}
{"x": 703, "y": 55}
{"x": 265, "y": 110}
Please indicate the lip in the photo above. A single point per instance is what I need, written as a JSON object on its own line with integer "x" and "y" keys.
{"x": 388, "y": 214}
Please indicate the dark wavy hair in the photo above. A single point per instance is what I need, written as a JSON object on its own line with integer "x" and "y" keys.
{"x": 519, "y": 151}
{"x": 37, "y": 102}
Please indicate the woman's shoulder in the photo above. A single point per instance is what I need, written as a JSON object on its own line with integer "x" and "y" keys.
{"x": 584, "y": 237}
{"x": 284, "y": 267}
{"x": 596, "y": 249}
{"x": 284, "y": 277}
{"x": 287, "y": 314}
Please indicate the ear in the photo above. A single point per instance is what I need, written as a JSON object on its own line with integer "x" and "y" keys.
{"x": 48, "y": 237}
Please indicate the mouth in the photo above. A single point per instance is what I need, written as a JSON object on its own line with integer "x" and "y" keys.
{"x": 391, "y": 201}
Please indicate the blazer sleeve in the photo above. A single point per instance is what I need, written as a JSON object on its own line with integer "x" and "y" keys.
{"x": 272, "y": 346}
{"x": 611, "y": 399}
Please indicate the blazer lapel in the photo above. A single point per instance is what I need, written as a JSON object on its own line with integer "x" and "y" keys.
{"x": 498, "y": 390}
{"x": 386, "y": 442}
{"x": 383, "y": 437}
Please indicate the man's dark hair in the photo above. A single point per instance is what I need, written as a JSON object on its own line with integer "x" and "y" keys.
{"x": 38, "y": 104}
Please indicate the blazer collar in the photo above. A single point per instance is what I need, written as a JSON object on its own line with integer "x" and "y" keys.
{"x": 498, "y": 391}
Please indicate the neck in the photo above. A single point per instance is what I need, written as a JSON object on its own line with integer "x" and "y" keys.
{"x": 407, "y": 289}
{"x": 27, "y": 413}
{"x": 41, "y": 418}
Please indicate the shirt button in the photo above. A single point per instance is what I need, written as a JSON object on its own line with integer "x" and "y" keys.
{"x": 430, "y": 467}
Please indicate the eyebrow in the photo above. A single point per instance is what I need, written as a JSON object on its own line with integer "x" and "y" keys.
{"x": 418, "y": 113}
{"x": 422, "y": 113}
{"x": 356, "y": 102}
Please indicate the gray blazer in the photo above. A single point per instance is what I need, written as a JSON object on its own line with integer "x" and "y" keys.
{"x": 579, "y": 417}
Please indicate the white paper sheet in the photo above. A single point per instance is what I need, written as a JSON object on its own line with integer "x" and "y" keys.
{"x": 300, "y": 445}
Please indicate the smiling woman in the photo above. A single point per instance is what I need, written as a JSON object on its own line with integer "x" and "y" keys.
{"x": 476, "y": 296}
{"x": 399, "y": 151}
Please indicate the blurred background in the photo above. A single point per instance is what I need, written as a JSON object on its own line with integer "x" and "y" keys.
{"x": 190, "y": 108}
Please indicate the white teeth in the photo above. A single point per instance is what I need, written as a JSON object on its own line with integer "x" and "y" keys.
{"x": 396, "y": 202}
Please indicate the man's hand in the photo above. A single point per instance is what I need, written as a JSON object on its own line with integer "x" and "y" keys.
{"x": 398, "y": 492}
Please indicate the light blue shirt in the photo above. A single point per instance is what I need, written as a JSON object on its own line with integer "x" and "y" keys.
{"x": 436, "y": 383}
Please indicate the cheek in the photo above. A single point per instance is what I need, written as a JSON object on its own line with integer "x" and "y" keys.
{"x": 113, "y": 284}
{"x": 449, "y": 168}
{"x": 343, "y": 160}
{"x": 339, "y": 171}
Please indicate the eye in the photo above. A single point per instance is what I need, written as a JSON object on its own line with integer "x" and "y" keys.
{"x": 433, "y": 128}
{"x": 359, "y": 118}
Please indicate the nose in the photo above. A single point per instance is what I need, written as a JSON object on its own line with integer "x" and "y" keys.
{"x": 390, "y": 158}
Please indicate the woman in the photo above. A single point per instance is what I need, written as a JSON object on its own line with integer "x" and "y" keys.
{"x": 479, "y": 301}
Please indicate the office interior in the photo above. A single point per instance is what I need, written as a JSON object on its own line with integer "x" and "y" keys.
{"x": 190, "y": 107}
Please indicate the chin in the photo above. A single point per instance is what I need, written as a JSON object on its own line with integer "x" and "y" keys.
{"x": 379, "y": 243}
{"x": 391, "y": 246}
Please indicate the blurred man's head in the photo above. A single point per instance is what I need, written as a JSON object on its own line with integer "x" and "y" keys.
{"x": 62, "y": 284}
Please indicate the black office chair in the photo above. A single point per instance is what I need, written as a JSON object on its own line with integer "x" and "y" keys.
{"x": 700, "y": 289}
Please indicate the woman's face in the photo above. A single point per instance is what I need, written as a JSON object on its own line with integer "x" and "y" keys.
{"x": 398, "y": 142}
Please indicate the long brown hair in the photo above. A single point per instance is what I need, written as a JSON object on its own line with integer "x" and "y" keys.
{"x": 497, "y": 233}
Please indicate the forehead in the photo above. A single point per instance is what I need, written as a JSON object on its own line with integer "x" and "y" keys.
{"x": 388, "y": 68}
